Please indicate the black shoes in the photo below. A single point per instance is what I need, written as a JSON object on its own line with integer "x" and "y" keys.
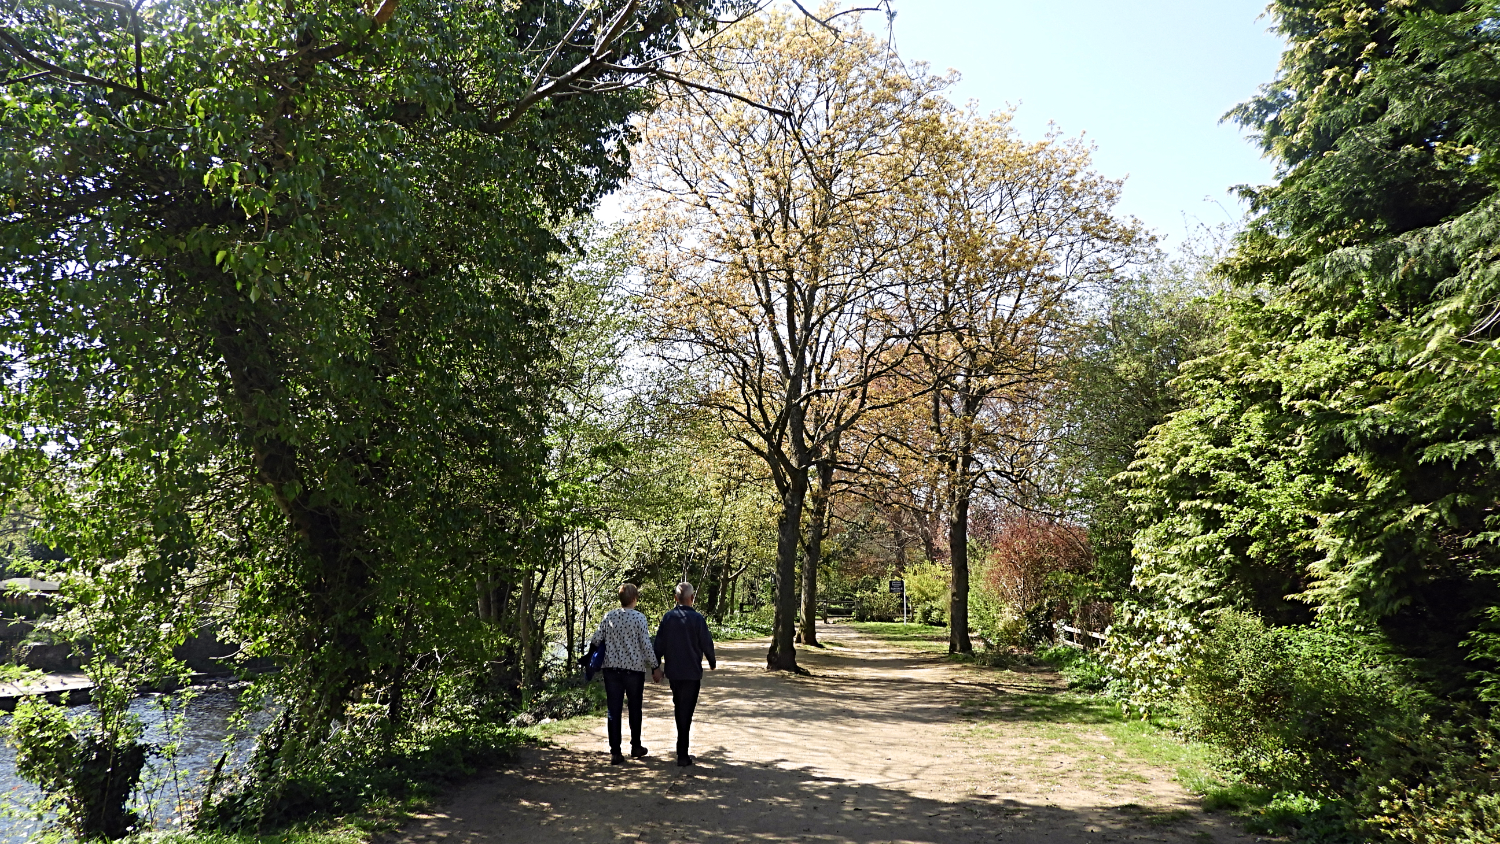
{"x": 684, "y": 761}
{"x": 638, "y": 752}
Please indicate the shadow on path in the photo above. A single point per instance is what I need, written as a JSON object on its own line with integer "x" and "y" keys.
{"x": 871, "y": 748}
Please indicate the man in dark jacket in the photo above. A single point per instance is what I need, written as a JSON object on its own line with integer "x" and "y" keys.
{"x": 683, "y": 641}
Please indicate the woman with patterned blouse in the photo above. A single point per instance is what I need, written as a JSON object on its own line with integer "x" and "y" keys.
{"x": 628, "y": 657}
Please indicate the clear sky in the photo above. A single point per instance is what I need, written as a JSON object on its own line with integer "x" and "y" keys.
{"x": 1147, "y": 81}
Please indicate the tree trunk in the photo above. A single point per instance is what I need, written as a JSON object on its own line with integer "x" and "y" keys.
{"x": 817, "y": 527}
{"x": 958, "y": 553}
{"x": 523, "y": 628}
{"x": 570, "y": 615}
{"x": 337, "y": 615}
{"x": 783, "y": 653}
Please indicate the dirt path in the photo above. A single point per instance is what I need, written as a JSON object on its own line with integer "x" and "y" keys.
{"x": 882, "y": 744}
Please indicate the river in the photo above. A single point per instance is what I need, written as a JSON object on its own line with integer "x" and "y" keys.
{"x": 168, "y": 784}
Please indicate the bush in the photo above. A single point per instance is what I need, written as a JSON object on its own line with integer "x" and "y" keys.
{"x": 928, "y": 584}
{"x": 1030, "y": 553}
{"x": 998, "y": 625}
{"x": 1437, "y": 783}
{"x": 1337, "y": 739}
{"x": 877, "y": 606}
{"x": 1294, "y": 708}
{"x": 931, "y": 614}
{"x": 352, "y": 774}
{"x": 1084, "y": 670}
{"x": 568, "y": 697}
{"x": 87, "y": 773}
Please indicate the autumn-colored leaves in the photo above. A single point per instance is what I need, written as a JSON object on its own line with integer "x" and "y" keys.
{"x": 870, "y": 284}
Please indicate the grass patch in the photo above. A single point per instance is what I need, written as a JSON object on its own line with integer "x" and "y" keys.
{"x": 1156, "y": 817}
{"x": 545, "y": 733}
{"x": 1094, "y": 728}
{"x": 739, "y": 628}
{"x": 924, "y": 637}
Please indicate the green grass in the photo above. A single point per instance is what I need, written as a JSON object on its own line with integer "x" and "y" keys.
{"x": 923, "y": 637}
{"x": 1089, "y": 726}
{"x": 739, "y": 628}
{"x": 545, "y": 733}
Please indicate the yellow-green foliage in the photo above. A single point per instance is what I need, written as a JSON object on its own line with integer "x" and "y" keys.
{"x": 927, "y": 583}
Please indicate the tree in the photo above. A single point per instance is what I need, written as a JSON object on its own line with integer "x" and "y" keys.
{"x": 770, "y": 240}
{"x": 1012, "y": 233}
{"x": 1117, "y": 384}
{"x": 1336, "y": 459}
{"x": 275, "y": 320}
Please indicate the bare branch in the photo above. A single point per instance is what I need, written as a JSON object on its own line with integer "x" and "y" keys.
{"x": 825, "y": 22}
{"x": 25, "y": 55}
{"x": 709, "y": 89}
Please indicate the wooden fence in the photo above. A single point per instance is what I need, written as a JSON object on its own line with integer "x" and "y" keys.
{"x": 1074, "y": 637}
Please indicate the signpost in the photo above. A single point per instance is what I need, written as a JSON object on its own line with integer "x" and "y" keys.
{"x": 898, "y": 587}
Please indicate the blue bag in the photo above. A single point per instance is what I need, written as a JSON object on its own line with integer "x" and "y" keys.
{"x": 595, "y": 663}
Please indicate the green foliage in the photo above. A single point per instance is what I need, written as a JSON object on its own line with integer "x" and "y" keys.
{"x": 877, "y": 606}
{"x": 1338, "y": 457}
{"x": 751, "y": 625}
{"x": 1117, "y": 385}
{"x": 352, "y": 774}
{"x": 87, "y": 773}
{"x": 1440, "y": 783}
{"x": 927, "y": 587}
{"x": 996, "y": 622}
{"x": 279, "y": 344}
{"x": 1085, "y": 671}
{"x": 1295, "y": 708}
{"x": 566, "y": 697}
{"x": 1326, "y": 741}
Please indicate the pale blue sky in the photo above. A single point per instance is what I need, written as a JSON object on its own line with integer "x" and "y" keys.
{"x": 1146, "y": 80}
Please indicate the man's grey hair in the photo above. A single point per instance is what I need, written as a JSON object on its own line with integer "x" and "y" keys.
{"x": 684, "y": 591}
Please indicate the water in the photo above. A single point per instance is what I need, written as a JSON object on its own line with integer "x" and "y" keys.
{"x": 169, "y": 786}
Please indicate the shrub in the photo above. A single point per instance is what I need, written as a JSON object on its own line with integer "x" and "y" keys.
{"x": 88, "y": 774}
{"x": 353, "y": 773}
{"x": 927, "y": 583}
{"x": 1027, "y": 555}
{"x": 566, "y": 697}
{"x": 877, "y": 606}
{"x": 1437, "y": 783}
{"x": 1296, "y": 708}
{"x": 997, "y": 624}
{"x": 931, "y": 613}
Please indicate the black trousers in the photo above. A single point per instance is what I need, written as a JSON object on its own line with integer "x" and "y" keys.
{"x": 619, "y": 684}
{"x": 684, "y": 701}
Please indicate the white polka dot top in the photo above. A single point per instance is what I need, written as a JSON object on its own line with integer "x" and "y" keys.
{"x": 627, "y": 641}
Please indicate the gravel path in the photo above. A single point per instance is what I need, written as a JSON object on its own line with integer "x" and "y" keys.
{"x": 881, "y": 744}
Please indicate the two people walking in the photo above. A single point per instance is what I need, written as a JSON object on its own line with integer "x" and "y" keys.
{"x": 682, "y": 640}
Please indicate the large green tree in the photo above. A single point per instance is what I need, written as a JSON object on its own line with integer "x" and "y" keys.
{"x": 1339, "y": 456}
{"x": 273, "y": 284}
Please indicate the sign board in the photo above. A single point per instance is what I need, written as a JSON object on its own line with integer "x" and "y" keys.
{"x": 898, "y": 587}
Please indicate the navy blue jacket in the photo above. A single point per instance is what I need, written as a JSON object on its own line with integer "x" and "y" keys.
{"x": 683, "y": 641}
